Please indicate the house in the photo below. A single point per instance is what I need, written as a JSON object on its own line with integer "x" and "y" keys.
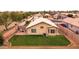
{"x": 77, "y": 14}
{"x": 21, "y": 26}
{"x": 42, "y": 26}
{"x": 57, "y": 21}
{"x": 35, "y": 16}
{"x": 47, "y": 16}
{"x": 72, "y": 24}
{"x": 11, "y": 25}
{"x": 59, "y": 16}
{"x": 55, "y": 16}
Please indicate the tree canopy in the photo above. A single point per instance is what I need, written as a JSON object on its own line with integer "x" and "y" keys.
{"x": 7, "y": 17}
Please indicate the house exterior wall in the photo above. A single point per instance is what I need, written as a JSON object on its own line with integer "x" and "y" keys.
{"x": 40, "y": 31}
{"x": 56, "y": 31}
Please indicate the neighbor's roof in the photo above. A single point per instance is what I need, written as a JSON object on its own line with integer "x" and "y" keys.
{"x": 29, "y": 19}
{"x": 73, "y": 21}
{"x": 12, "y": 24}
{"x": 40, "y": 20}
{"x": 22, "y": 23}
{"x": 47, "y": 15}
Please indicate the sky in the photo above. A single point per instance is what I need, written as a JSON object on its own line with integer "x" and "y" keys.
{"x": 38, "y": 5}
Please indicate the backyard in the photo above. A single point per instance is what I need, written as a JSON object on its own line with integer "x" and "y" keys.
{"x": 38, "y": 40}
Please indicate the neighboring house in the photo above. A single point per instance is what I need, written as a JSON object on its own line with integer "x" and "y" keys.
{"x": 2, "y": 27}
{"x": 60, "y": 16}
{"x": 47, "y": 16}
{"x": 57, "y": 21}
{"x": 33, "y": 17}
{"x": 42, "y": 26}
{"x": 21, "y": 26}
{"x": 77, "y": 14}
{"x": 55, "y": 16}
{"x": 36, "y": 16}
{"x": 12, "y": 25}
{"x": 72, "y": 24}
{"x": 63, "y": 16}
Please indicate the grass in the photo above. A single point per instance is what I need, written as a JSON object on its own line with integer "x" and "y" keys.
{"x": 38, "y": 40}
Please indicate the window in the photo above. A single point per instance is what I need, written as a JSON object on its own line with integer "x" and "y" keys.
{"x": 41, "y": 27}
{"x": 33, "y": 30}
{"x": 77, "y": 32}
{"x": 51, "y": 30}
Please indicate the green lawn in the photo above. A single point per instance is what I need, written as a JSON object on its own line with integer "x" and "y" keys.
{"x": 38, "y": 40}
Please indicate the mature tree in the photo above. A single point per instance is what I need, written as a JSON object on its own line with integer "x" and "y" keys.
{"x": 70, "y": 15}
{"x": 1, "y": 22}
{"x": 26, "y": 14}
{"x": 16, "y": 16}
{"x": 4, "y": 19}
{"x": 1, "y": 39}
{"x": 7, "y": 17}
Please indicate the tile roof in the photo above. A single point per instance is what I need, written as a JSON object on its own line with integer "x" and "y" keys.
{"x": 23, "y": 23}
{"x": 40, "y": 20}
{"x": 72, "y": 21}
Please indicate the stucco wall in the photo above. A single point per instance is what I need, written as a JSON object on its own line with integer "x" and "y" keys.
{"x": 56, "y": 31}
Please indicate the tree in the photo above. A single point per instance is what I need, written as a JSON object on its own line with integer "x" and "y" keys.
{"x": 26, "y": 14}
{"x": 1, "y": 22}
{"x": 16, "y": 16}
{"x": 4, "y": 19}
{"x": 1, "y": 39}
{"x": 70, "y": 15}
